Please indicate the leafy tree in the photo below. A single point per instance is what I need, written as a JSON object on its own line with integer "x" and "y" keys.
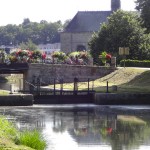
{"x": 28, "y": 46}
{"x": 66, "y": 22}
{"x": 122, "y": 30}
{"x": 143, "y": 6}
{"x": 26, "y": 22}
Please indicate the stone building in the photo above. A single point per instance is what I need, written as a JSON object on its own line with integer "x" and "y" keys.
{"x": 78, "y": 32}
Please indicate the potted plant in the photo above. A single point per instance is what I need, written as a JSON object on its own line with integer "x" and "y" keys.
{"x": 104, "y": 56}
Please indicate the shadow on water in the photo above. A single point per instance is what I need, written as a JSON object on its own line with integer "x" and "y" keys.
{"x": 86, "y": 126}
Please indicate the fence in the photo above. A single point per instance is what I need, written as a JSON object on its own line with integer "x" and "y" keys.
{"x": 57, "y": 86}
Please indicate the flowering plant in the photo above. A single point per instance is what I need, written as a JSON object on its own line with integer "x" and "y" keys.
{"x": 19, "y": 55}
{"x": 59, "y": 55}
{"x": 36, "y": 54}
{"x": 104, "y": 57}
{"x": 26, "y": 55}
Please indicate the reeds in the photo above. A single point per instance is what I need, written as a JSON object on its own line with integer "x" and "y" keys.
{"x": 32, "y": 139}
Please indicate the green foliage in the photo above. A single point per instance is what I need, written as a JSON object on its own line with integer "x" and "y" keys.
{"x": 74, "y": 54}
{"x": 60, "y": 55}
{"x": 32, "y": 139}
{"x": 7, "y": 129}
{"x": 80, "y": 54}
{"x": 28, "y": 45}
{"x": 135, "y": 63}
{"x": 36, "y": 54}
{"x": 122, "y": 30}
{"x": 3, "y": 92}
{"x": 143, "y": 6}
{"x": 104, "y": 57}
{"x": 38, "y": 33}
{"x": 2, "y": 56}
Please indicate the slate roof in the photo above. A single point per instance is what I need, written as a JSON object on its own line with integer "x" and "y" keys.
{"x": 87, "y": 21}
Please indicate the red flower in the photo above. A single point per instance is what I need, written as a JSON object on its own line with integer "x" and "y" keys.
{"x": 30, "y": 53}
{"x": 18, "y": 52}
{"x": 109, "y": 130}
{"x": 108, "y": 56}
{"x": 43, "y": 56}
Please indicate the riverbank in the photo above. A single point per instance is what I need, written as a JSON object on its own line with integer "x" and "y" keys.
{"x": 91, "y": 98}
{"x": 11, "y": 138}
{"x": 125, "y": 86}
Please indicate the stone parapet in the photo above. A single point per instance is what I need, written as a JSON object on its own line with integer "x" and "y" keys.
{"x": 61, "y": 71}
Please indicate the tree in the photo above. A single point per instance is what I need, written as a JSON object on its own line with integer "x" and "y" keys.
{"x": 122, "y": 30}
{"x": 38, "y": 33}
{"x": 26, "y": 22}
{"x": 143, "y": 6}
{"x": 28, "y": 46}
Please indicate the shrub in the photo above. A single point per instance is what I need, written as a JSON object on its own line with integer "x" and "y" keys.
{"x": 135, "y": 63}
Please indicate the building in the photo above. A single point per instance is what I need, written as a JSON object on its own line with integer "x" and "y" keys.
{"x": 49, "y": 48}
{"x": 78, "y": 32}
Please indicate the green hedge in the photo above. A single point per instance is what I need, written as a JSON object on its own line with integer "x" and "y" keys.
{"x": 135, "y": 63}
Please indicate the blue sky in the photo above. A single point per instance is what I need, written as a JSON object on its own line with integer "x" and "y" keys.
{"x": 14, "y": 11}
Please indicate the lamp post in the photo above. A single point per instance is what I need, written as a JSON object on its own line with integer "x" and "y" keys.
{"x": 124, "y": 51}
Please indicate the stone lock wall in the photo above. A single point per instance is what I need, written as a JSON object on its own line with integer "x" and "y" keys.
{"x": 47, "y": 72}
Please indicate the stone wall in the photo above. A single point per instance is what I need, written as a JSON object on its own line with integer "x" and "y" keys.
{"x": 70, "y": 41}
{"x": 16, "y": 100}
{"x": 48, "y": 72}
{"x": 122, "y": 99}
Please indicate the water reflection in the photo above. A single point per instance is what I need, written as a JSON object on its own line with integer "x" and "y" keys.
{"x": 88, "y": 127}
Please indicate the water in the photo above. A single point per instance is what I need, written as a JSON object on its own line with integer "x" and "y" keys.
{"x": 86, "y": 127}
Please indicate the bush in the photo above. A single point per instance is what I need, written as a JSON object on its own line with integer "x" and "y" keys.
{"x": 135, "y": 63}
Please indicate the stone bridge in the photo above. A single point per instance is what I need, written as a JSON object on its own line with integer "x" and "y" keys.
{"x": 49, "y": 72}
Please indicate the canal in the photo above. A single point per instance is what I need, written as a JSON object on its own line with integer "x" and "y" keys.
{"x": 86, "y": 127}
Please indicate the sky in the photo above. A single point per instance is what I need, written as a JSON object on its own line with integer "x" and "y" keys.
{"x": 15, "y": 11}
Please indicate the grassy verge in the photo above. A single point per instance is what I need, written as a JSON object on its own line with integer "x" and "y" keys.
{"x": 4, "y": 92}
{"x": 12, "y": 139}
{"x": 126, "y": 79}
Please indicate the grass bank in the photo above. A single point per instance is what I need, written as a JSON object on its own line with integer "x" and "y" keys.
{"x": 12, "y": 139}
{"x": 4, "y": 92}
{"x": 131, "y": 80}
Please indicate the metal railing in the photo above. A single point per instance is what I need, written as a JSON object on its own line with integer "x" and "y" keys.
{"x": 74, "y": 86}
